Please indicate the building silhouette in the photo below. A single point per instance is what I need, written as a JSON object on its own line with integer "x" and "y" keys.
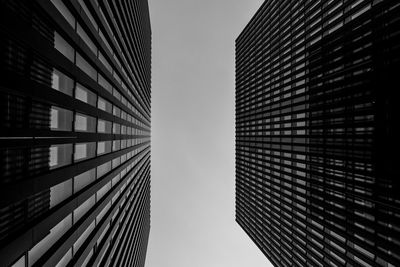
{"x": 74, "y": 132}
{"x": 317, "y": 132}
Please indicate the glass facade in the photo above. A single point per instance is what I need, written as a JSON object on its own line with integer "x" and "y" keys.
{"x": 316, "y": 133}
{"x": 75, "y": 133}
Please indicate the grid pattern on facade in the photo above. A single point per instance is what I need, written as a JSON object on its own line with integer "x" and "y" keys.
{"x": 74, "y": 132}
{"x": 315, "y": 132}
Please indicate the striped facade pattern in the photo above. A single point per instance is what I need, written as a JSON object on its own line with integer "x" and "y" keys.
{"x": 317, "y": 135}
{"x": 75, "y": 99}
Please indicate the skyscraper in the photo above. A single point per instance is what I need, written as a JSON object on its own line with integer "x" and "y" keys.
{"x": 317, "y": 132}
{"x": 74, "y": 132}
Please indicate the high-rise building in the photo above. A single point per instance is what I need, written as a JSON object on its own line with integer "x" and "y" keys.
{"x": 317, "y": 132}
{"x": 74, "y": 132}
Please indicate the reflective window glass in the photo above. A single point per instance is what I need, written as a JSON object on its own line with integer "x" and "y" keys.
{"x": 61, "y": 119}
{"x": 116, "y": 128}
{"x": 20, "y": 262}
{"x": 55, "y": 233}
{"x": 105, "y": 84}
{"x": 84, "y": 179}
{"x": 85, "y": 95}
{"x": 116, "y": 145}
{"x": 84, "y": 236}
{"x": 64, "y": 12}
{"x": 60, "y": 155}
{"x": 65, "y": 260}
{"x": 60, "y": 192}
{"x": 84, "y": 208}
{"x": 64, "y": 47}
{"x": 117, "y": 94}
{"x": 104, "y": 105}
{"x": 84, "y": 123}
{"x": 116, "y": 111}
{"x": 84, "y": 7}
{"x": 102, "y": 191}
{"x": 103, "y": 169}
{"x": 86, "y": 67}
{"x": 81, "y": 32}
{"x": 62, "y": 82}
{"x": 84, "y": 151}
{"x": 103, "y": 147}
{"x": 104, "y": 126}
{"x": 105, "y": 63}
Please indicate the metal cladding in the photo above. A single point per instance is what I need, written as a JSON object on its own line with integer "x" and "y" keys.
{"x": 317, "y": 132}
{"x": 75, "y": 103}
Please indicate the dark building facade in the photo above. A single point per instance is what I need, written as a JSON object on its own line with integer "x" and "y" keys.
{"x": 317, "y": 132}
{"x": 74, "y": 132}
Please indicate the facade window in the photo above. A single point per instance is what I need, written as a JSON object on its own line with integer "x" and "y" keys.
{"x": 55, "y": 233}
{"x": 103, "y": 169}
{"x": 84, "y": 123}
{"x": 64, "y": 47}
{"x": 60, "y": 192}
{"x": 103, "y": 147}
{"x": 81, "y": 32}
{"x": 92, "y": 20}
{"x": 60, "y": 155}
{"x": 104, "y": 211}
{"x": 104, "y": 105}
{"x": 84, "y": 208}
{"x": 123, "y": 144}
{"x": 104, "y": 126}
{"x": 85, "y": 95}
{"x": 84, "y": 179}
{"x": 20, "y": 263}
{"x": 116, "y": 111}
{"x": 86, "y": 67}
{"x": 104, "y": 39}
{"x": 116, "y": 179}
{"x": 116, "y": 76}
{"x": 105, "y": 84}
{"x": 102, "y": 235}
{"x": 116, "y": 145}
{"x": 124, "y": 101}
{"x": 60, "y": 119}
{"x": 117, "y": 94}
{"x": 70, "y": 143}
{"x": 102, "y": 191}
{"x": 105, "y": 63}
{"x": 64, "y": 11}
{"x": 84, "y": 151}
{"x": 84, "y": 236}
{"x": 89, "y": 256}
{"x": 116, "y": 162}
{"x": 116, "y": 128}
{"x": 62, "y": 82}
{"x": 101, "y": 126}
{"x": 123, "y": 115}
{"x": 66, "y": 259}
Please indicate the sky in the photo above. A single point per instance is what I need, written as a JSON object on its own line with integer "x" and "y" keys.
{"x": 193, "y": 128}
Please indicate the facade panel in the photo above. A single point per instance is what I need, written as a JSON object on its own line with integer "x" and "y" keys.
{"x": 317, "y": 133}
{"x": 75, "y": 102}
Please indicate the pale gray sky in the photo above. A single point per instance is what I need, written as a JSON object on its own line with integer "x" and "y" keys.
{"x": 193, "y": 178}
